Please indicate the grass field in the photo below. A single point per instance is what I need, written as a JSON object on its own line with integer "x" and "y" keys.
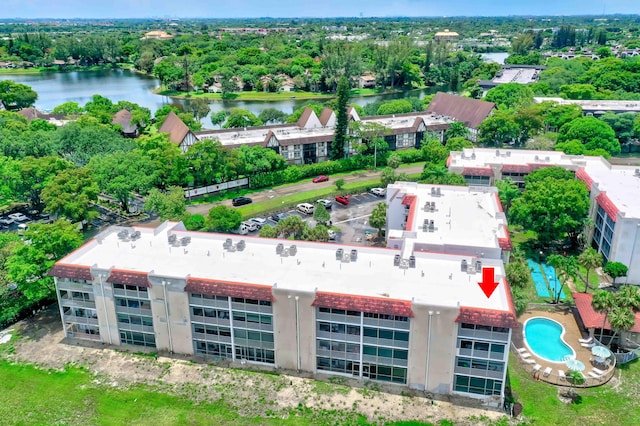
{"x": 75, "y": 397}
{"x": 602, "y": 405}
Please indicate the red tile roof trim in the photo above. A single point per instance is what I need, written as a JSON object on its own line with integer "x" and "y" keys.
{"x": 607, "y": 205}
{"x": 516, "y": 168}
{"x": 449, "y": 161}
{"x": 591, "y": 318}
{"x": 122, "y": 276}
{"x": 410, "y": 200}
{"x": 477, "y": 171}
{"x": 229, "y": 288}
{"x": 72, "y": 272}
{"x": 490, "y": 317}
{"x": 376, "y": 305}
{"x": 583, "y": 176}
{"x": 505, "y": 242}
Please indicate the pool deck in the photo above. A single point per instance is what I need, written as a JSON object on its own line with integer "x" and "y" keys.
{"x": 571, "y": 335}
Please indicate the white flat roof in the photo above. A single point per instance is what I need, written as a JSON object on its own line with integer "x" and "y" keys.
{"x": 517, "y": 75}
{"x": 595, "y": 105}
{"x": 437, "y": 279}
{"x": 406, "y": 120}
{"x": 258, "y": 135}
{"x": 621, "y": 183}
{"x": 465, "y": 216}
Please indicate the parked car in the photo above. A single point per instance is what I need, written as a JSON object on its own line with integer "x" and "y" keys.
{"x": 321, "y": 178}
{"x": 18, "y": 217}
{"x": 379, "y": 192}
{"x": 241, "y": 201}
{"x": 6, "y": 221}
{"x": 326, "y": 203}
{"x": 306, "y": 208}
{"x": 332, "y": 234}
{"x": 259, "y": 221}
{"x": 248, "y": 226}
{"x": 343, "y": 199}
{"x": 277, "y": 217}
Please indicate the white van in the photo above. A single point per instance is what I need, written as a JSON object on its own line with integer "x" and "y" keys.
{"x": 306, "y": 208}
{"x": 248, "y": 226}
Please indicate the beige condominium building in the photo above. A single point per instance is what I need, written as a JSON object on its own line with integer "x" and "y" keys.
{"x": 613, "y": 193}
{"x": 405, "y": 316}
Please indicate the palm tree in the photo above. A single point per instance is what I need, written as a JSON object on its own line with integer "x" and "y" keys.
{"x": 590, "y": 259}
{"x": 566, "y": 267}
{"x": 621, "y": 319}
{"x": 574, "y": 378}
{"x": 628, "y": 297}
{"x": 603, "y": 302}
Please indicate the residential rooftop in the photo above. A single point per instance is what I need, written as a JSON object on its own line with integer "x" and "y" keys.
{"x": 596, "y": 106}
{"x": 436, "y": 279}
{"x": 470, "y": 218}
{"x": 621, "y": 183}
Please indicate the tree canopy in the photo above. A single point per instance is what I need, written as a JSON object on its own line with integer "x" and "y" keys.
{"x": 593, "y": 133}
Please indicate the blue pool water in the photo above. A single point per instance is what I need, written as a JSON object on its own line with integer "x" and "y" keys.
{"x": 544, "y": 338}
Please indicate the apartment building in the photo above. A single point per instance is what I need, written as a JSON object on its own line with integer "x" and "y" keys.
{"x": 615, "y": 207}
{"x": 412, "y": 318}
{"x": 447, "y": 219}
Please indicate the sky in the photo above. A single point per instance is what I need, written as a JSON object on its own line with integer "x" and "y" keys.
{"x": 305, "y": 8}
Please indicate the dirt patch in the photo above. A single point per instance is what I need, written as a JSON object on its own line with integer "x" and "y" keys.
{"x": 251, "y": 393}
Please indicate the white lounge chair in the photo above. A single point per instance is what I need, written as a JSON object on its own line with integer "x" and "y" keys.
{"x": 529, "y": 361}
{"x": 521, "y": 350}
{"x": 562, "y": 376}
{"x": 524, "y": 355}
{"x": 587, "y": 345}
{"x": 546, "y": 372}
{"x": 587, "y": 340}
{"x": 536, "y": 368}
{"x": 598, "y": 371}
{"x": 594, "y": 375}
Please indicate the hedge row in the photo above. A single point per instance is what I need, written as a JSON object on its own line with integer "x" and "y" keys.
{"x": 295, "y": 173}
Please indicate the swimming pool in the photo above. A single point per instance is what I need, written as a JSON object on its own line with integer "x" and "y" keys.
{"x": 543, "y": 337}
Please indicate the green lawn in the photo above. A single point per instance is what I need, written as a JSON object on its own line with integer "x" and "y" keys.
{"x": 602, "y": 405}
{"x": 31, "y": 396}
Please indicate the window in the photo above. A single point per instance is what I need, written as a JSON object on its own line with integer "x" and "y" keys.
{"x": 255, "y": 354}
{"x": 477, "y": 385}
{"x": 139, "y": 339}
{"x": 215, "y": 350}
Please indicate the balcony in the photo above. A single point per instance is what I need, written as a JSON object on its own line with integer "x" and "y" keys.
{"x": 245, "y": 307}
{"x": 351, "y": 356}
{"x": 342, "y": 319}
{"x": 73, "y": 286}
{"x": 77, "y": 303}
{"x": 383, "y": 323}
{"x": 134, "y": 311}
{"x": 208, "y": 303}
{"x": 340, "y": 337}
{"x": 136, "y": 327}
{"x": 249, "y": 343}
{"x": 385, "y": 361}
{"x": 131, "y": 294}
{"x": 490, "y": 374}
{"x": 215, "y": 338}
{"x": 80, "y": 320}
{"x": 212, "y": 321}
{"x": 386, "y": 342}
{"x": 485, "y": 335}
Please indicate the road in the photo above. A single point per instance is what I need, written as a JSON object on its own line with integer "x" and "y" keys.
{"x": 263, "y": 195}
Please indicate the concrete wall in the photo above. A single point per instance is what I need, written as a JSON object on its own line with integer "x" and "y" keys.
{"x": 439, "y": 357}
{"x": 625, "y": 248}
{"x": 177, "y": 336}
{"x": 105, "y": 307}
{"x": 288, "y": 334}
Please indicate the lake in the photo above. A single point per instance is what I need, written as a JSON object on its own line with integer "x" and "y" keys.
{"x": 79, "y": 86}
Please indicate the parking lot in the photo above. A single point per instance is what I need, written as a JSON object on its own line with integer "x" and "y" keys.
{"x": 352, "y": 220}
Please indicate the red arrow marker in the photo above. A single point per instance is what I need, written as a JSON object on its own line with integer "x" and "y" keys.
{"x": 488, "y": 284}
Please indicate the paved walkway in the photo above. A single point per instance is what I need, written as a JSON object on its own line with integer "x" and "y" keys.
{"x": 285, "y": 190}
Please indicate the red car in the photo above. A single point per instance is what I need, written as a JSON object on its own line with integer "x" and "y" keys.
{"x": 343, "y": 199}
{"x": 321, "y": 178}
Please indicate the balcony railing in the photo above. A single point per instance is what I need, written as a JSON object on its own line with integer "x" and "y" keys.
{"x": 491, "y": 374}
{"x": 136, "y": 327}
{"x": 131, "y": 294}
{"x": 341, "y": 337}
{"x": 77, "y": 303}
{"x": 386, "y": 342}
{"x": 214, "y": 338}
{"x": 212, "y": 321}
{"x": 80, "y": 320}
